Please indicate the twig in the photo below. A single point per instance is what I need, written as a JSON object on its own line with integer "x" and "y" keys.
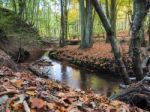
{"x": 9, "y": 92}
{"x": 26, "y": 107}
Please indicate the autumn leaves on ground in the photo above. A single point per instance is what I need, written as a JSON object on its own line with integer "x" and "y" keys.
{"x": 97, "y": 58}
{"x": 25, "y": 92}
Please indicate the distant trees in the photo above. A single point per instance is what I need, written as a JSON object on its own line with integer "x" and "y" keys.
{"x": 22, "y": 7}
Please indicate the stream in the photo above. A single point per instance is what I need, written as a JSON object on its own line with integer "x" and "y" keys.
{"x": 77, "y": 78}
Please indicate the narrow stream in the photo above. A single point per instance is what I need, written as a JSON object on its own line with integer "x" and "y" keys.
{"x": 104, "y": 84}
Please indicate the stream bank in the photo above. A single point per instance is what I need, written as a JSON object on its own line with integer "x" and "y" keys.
{"x": 98, "y": 58}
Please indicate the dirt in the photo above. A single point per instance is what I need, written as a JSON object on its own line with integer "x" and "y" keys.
{"x": 5, "y": 60}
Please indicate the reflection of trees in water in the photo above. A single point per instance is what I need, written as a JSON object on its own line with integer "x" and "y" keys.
{"x": 102, "y": 86}
{"x": 78, "y": 78}
{"x": 84, "y": 83}
{"x": 64, "y": 73}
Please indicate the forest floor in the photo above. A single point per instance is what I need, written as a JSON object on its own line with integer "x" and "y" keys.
{"x": 98, "y": 57}
{"x": 25, "y": 92}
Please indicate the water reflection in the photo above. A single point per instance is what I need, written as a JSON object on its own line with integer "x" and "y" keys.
{"x": 101, "y": 83}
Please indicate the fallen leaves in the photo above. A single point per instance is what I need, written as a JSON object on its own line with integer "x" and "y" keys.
{"x": 37, "y": 103}
{"x": 17, "y": 83}
{"x": 33, "y": 94}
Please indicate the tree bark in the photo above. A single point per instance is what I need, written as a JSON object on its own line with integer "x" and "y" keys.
{"x": 107, "y": 14}
{"x": 149, "y": 30}
{"x": 62, "y": 38}
{"x": 66, "y": 18}
{"x": 89, "y": 24}
{"x": 113, "y": 41}
{"x": 113, "y": 14}
{"x": 140, "y": 13}
{"x": 86, "y": 23}
{"x": 82, "y": 23}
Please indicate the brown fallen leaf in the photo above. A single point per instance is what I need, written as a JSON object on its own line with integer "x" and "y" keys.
{"x": 60, "y": 94}
{"x": 51, "y": 105}
{"x": 32, "y": 93}
{"x": 18, "y": 83}
{"x": 37, "y": 103}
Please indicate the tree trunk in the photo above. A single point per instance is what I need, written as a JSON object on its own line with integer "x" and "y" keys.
{"x": 107, "y": 14}
{"x": 86, "y": 24}
{"x": 113, "y": 14}
{"x": 89, "y": 24}
{"x": 113, "y": 41}
{"x": 82, "y": 23}
{"x": 66, "y": 18}
{"x": 62, "y": 38}
{"x": 140, "y": 13}
{"x": 143, "y": 41}
{"x": 149, "y": 30}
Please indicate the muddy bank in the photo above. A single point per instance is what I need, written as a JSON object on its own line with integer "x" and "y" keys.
{"x": 97, "y": 58}
{"x": 5, "y": 60}
{"x": 103, "y": 65}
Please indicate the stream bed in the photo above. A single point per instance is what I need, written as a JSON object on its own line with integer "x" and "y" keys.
{"x": 78, "y": 78}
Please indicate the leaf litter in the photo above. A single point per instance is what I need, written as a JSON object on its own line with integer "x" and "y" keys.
{"x": 25, "y": 92}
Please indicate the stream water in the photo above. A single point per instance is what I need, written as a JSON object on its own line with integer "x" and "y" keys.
{"x": 104, "y": 84}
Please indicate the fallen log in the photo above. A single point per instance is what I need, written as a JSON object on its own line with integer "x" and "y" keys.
{"x": 137, "y": 94}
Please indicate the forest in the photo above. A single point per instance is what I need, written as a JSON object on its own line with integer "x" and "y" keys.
{"x": 74, "y": 55}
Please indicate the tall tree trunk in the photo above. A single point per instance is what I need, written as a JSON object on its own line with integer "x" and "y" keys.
{"x": 107, "y": 14}
{"x": 113, "y": 14}
{"x": 140, "y": 13}
{"x": 89, "y": 24}
{"x": 66, "y": 18}
{"x": 113, "y": 41}
{"x": 149, "y": 30}
{"x": 143, "y": 41}
{"x": 82, "y": 23}
{"x": 62, "y": 38}
{"x": 86, "y": 23}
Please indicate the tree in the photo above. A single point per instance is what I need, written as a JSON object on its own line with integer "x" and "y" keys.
{"x": 86, "y": 23}
{"x": 139, "y": 16}
{"x": 62, "y": 38}
{"x": 113, "y": 41}
{"x": 22, "y": 7}
{"x": 149, "y": 29}
{"x": 113, "y": 15}
{"x": 107, "y": 14}
{"x": 66, "y": 18}
{"x": 14, "y": 5}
